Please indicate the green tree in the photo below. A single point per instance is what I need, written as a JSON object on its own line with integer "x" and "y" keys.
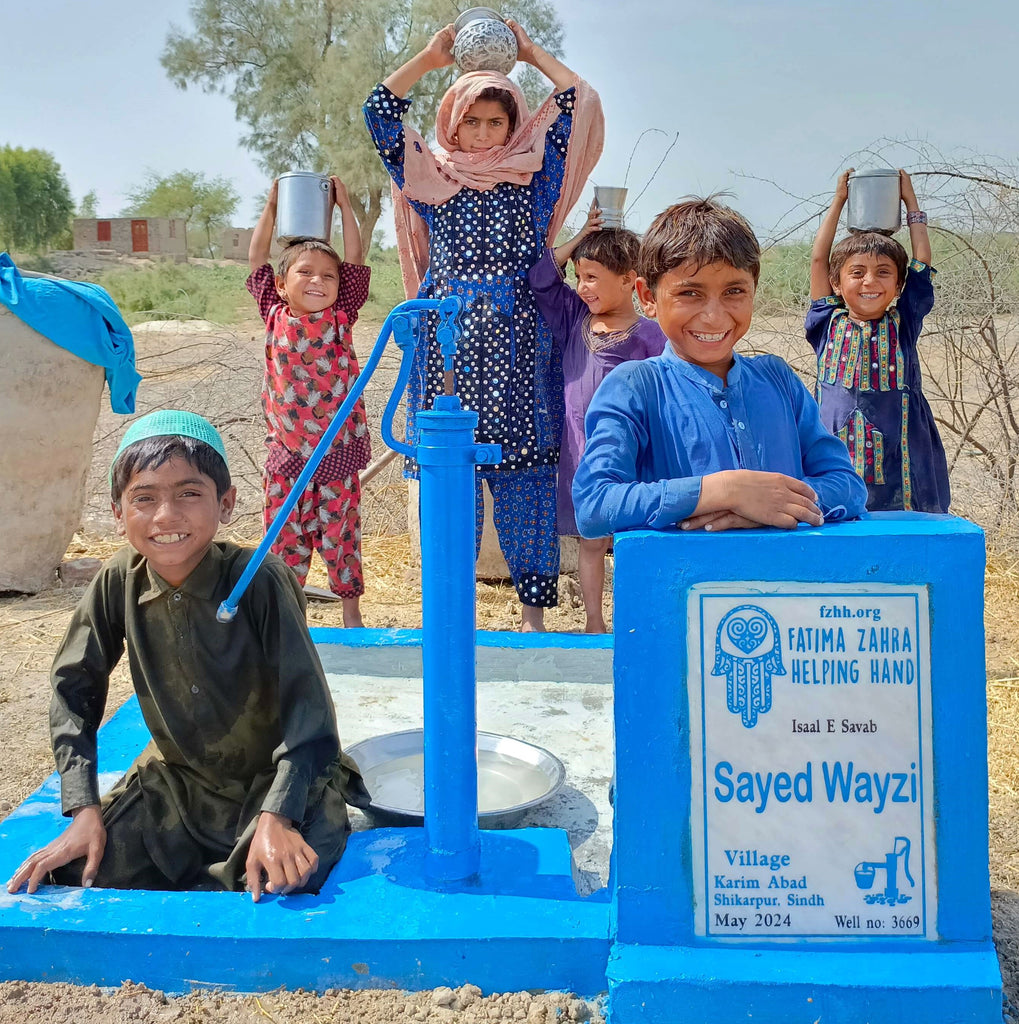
{"x": 299, "y": 70}
{"x": 35, "y": 201}
{"x": 206, "y": 204}
{"x": 89, "y": 205}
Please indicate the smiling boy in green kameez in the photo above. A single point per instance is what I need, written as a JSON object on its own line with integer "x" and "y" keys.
{"x": 244, "y": 785}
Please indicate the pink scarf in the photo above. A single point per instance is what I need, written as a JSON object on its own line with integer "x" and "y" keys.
{"x": 434, "y": 178}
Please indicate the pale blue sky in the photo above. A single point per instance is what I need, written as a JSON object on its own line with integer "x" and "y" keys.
{"x": 776, "y": 89}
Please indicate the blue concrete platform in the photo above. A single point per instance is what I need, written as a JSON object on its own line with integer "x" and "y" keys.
{"x": 375, "y": 924}
{"x": 767, "y": 986}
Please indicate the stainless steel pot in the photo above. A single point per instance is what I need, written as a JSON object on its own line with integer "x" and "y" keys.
{"x": 304, "y": 207}
{"x": 874, "y": 201}
{"x": 484, "y": 42}
{"x": 611, "y": 202}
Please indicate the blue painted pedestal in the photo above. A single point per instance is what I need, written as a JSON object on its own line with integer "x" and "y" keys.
{"x": 721, "y": 638}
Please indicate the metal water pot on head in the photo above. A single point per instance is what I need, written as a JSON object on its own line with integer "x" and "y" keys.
{"x": 304, "y": 207}
{"x": 874, "y": 200}
{"x": 611, "y": 201}
{"x": 484, "y": 42}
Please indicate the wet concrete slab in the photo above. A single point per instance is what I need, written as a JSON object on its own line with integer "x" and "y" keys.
{"x": 525, "y": 922}
{"x": 556, "y": 693}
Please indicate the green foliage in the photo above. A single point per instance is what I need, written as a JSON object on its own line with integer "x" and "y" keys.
{"x": 299, "y": 70}
{"x": 785, "y": 279}
{"x": 35, "y": 201}
{"x": 387, "y": 283}
{"x": 205, "y": 203}
{"x": 89, "y": 205}
{"x": 180, "y": 291}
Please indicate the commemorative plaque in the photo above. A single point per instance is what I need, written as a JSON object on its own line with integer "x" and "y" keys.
{"x": 811, "y": 761}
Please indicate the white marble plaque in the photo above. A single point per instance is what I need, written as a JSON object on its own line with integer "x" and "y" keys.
{"x": 810, "y": 747}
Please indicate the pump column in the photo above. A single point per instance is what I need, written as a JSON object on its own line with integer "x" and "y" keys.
{"x": 447, "y": 456}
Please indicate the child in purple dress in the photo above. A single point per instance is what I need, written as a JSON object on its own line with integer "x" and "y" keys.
{"x": 596, "y": 328}
{"x": 868, "y": 302}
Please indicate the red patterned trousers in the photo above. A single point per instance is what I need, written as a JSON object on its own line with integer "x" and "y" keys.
{"x": 326, "y": 519}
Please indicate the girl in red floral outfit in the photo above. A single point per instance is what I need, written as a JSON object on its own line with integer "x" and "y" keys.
{"x": 309, "y": 306}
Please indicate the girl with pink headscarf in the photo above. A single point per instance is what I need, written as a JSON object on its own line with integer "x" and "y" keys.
{"x": 472, "y": 217}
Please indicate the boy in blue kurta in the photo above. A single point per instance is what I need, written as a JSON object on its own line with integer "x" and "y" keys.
{"x": 700, "y": 437}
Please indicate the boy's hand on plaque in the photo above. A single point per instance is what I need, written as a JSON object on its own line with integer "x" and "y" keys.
{"x": 772, "y": 499}
{"x": 716, "y": 522}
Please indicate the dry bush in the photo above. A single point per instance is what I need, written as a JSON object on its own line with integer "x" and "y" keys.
{"x": 216, "y": 370}
{"x": 968, "y": 346}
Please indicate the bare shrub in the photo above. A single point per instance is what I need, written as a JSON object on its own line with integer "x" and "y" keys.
{"x": 968, "y": 346}
{"x": 216, "y": 370}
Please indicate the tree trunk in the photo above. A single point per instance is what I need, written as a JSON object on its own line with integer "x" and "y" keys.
{"x": 367, "y": 216}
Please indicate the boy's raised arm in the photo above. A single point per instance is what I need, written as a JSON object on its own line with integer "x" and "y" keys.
{"x": 562, "y": 253}
{"x": 353, "y": 251}
{"x": 820, "y": 282}
{"x": 919, "y": 239}
{"x": 261, "y": 237}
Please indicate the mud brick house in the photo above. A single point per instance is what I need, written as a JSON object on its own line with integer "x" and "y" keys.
{"x": 147, "y": 236}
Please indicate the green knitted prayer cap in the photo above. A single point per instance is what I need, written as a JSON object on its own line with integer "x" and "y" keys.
{"x": 171, "y": 423}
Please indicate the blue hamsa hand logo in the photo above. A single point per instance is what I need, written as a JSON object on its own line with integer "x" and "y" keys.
{"x": 748, "y": 652}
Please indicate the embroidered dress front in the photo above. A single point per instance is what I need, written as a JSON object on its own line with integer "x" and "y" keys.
{"x": 869, "y": 389}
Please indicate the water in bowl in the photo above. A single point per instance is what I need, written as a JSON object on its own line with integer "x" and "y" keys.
{"x": 502, "y": 782}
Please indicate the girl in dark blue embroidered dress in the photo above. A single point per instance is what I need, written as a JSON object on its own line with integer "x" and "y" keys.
{"x": 868, "y": 369}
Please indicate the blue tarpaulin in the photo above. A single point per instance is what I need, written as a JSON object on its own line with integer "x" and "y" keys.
{"x": 80, "y": 317}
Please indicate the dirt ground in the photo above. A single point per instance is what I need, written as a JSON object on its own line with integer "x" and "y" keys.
{"x": 217, "y": 371}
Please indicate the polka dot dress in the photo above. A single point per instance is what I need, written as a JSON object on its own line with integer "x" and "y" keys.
{"x": 481, "y": 245}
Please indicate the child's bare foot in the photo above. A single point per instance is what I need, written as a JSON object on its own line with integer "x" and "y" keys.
{"x": 596, "y": 624}
{"x": 532, "y": 620}
{"x": 352, "y": 613}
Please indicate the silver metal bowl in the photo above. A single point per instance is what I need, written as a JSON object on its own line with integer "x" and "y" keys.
{"x": 476, "y": 14}
{"x": 484, "y": 43}
{"x": 513, "y": 777}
